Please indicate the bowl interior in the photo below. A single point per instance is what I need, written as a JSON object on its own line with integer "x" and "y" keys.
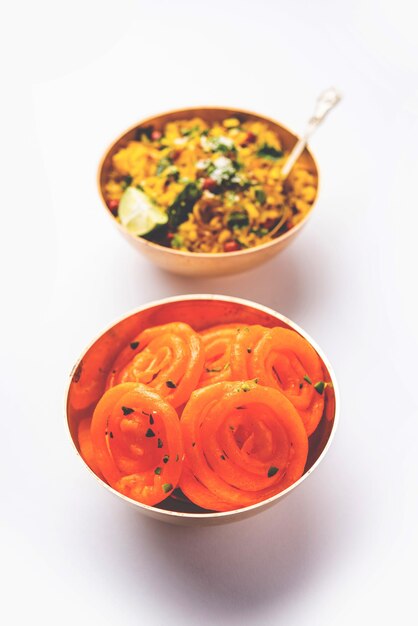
{"x": 89, "y": 375}
{"x": 209, "y": 114}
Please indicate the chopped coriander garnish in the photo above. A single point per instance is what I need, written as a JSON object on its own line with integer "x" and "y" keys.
{"x": 127, "y": 180}
{"x": 165, "y": 458}
{"x": 145, "y": 130}
{"x": 190, "y": 131}
{"x": 167, "y": 487}
{"x": 238, "y": 219}
{"x": 260, "y": 196}
{"x": 150, "y": 433}
{"x": 126, "y": 410}
{"x": 272, "y": 471}
{"x": 179, "y": 210}
{"x": 134, "y": 345}
{"x": 268, "y": 152}
{"x": 177, "y": 241}
{"x": 308, "y": 380}
{"x": 260, "y": 232}
{"x": 170, "y": 384}
{"x": 163, "y": 164}
{"x": 159, "y": 443}
{"x": 319, "y": 387}
{"x": 157, "y": 471}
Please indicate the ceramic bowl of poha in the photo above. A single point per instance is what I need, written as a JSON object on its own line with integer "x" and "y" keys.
{"x": 199, "y": 192}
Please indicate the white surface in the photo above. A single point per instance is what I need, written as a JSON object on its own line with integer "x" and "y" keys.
{"x": 340, "y": 549}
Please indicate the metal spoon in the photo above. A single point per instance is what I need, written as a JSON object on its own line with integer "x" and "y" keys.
{"x": 326, "y": 101}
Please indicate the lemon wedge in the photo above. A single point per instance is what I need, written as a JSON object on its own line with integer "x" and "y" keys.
{"x": 138, "y": 214}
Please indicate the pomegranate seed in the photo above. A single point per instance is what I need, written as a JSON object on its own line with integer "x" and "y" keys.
{"x": 231, "y": 246}
{"x": 113, "y": 206}
{"x": 269, "y": 223}
{"x": 156, "y": 135}
{"x": 208, "y": 183}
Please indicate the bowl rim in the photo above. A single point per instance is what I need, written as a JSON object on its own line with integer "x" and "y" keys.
{"x": 220, "y": 514}
{"x": 204, "y": 255}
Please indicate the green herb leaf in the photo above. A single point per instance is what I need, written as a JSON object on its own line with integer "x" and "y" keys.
{"x": 268, "y": 152}
{"x": 260, "y": 196}
{"x": 308, "y": 380}
{"x": 126, "y": 410}
{"x": 186, "y": 132}
{"x": 150, "y": 433}
{"x": 177, "y": 242}
{"x": 238, "y": 219}
{"x": 272, "y": 471}
{"x": 134, "y": 345}
{"x": 127, "y": 180}
{"x": 145, "y": 131}
{"x": 167, "y": 487}
{"x": 163, "y": 164}
{"x": 179, "y": 211}
{"x": 157, "y": 471}
{"x": 170, "y": 384}
{"x": 260, "y": 232}
{"x": 319, "y": 387}
{"x": 166, "y": 458}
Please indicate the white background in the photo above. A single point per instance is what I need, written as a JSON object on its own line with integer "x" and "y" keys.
{"x": 342, "y": 548}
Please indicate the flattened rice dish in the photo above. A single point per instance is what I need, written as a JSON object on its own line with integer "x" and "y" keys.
{"x": 207, "y": 187}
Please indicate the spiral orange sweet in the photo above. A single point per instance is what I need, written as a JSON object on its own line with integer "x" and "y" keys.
{"x": 137, "y": 442}
{"x": 283, "y": 359}
{"x": 217, "y": 342}
{"x": 243, "y": 443}
{"x": 167, "y": 358}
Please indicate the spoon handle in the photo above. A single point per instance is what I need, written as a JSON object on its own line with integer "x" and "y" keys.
{"x": 326, "y": 101}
